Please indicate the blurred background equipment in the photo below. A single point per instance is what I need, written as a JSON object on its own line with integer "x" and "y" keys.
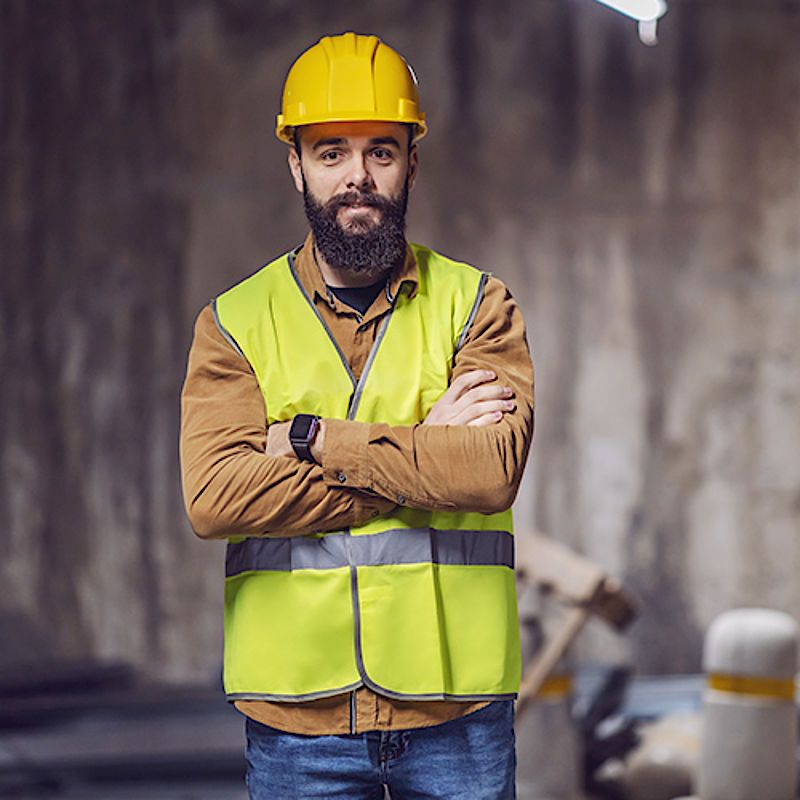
{"x": 664, "y": 765}
{"x": 582, "y": 587}
{"x": 559, "y": 591}
{"x": 740, "y": 743}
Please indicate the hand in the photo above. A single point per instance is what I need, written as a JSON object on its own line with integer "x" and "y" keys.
{"x": 278, "y": 443}
{"x": 472, "y": 399}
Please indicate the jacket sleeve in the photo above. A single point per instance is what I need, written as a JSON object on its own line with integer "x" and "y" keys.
{"x": 230, "y": 486}
{"x": 449, "y": 467}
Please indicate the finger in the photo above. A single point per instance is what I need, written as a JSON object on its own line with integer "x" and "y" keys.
{"x": 486, "y": 391}
{"x": 486, "y": 419}
{"x": 487, "y": 407}
{"x": 482, "y": 394}
{"x": 468, "y": 380}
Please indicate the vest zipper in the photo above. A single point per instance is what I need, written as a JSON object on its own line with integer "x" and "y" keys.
{"x": 353, "y": 711}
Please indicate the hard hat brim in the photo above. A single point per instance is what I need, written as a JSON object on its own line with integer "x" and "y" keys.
{"x": 285, "y": 130}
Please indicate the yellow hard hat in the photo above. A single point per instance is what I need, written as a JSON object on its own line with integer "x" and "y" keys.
{"x": 349, "y": 78}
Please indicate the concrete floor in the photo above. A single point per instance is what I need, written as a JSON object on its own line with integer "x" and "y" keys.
{"x": 151, "y": 791}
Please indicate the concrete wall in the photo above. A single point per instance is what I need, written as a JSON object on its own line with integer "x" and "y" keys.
{"x": 642, "y": 203}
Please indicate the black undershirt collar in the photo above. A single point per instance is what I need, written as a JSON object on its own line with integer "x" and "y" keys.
{"x": 359, "y": 298}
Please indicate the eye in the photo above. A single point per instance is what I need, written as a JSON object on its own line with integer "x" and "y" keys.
{"x": 330, "y": 156}
{"x": 382, "y": 154}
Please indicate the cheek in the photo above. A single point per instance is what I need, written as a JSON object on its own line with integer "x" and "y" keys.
{"x": 391, "y": 185}
{"x": 323, "y": 186}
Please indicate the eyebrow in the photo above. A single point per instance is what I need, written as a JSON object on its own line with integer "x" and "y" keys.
{"x": 334, "y": 140}
{"x": 385, "y": 140}
{"x": 325, "y": 142}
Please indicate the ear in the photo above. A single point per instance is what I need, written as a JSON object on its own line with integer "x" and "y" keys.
{"x": 296, "y": 168}
{"x": 413, "y": 166}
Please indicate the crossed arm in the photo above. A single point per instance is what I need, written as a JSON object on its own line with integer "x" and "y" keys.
{"x": 241, "y": 479}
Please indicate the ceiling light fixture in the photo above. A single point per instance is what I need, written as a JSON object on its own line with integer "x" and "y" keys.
{"x": 646, "y": 12}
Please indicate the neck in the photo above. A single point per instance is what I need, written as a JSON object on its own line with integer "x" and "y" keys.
{"x": 344, "y": 278}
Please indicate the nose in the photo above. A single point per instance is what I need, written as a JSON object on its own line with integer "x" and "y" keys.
{"x": 359, "y": 176}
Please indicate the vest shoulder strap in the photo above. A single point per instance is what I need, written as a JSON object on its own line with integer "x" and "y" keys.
{"x": 245, "y": 299}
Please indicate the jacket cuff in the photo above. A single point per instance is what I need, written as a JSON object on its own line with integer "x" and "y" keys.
{"x": 344, "y": 454}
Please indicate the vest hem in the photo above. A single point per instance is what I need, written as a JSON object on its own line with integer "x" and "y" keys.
{"x": 433, "y": 696}
{"x": 232, "y": 697}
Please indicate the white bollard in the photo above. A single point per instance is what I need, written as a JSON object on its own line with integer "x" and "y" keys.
{"x": 749, "y": 713}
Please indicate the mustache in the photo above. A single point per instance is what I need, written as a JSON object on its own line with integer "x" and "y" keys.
{"x": 356, "y": 198}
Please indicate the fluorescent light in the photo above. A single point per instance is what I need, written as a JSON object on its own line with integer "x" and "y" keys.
{"x": 647, "y": 32}
{"x": 643, "y": 10}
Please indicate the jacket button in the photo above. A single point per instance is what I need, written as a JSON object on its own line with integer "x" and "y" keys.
{"x": 401, "y": 499}
{"x": 341, "y": 477}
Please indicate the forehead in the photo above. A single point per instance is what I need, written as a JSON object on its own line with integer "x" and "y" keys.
{"x": 352, "y": 132}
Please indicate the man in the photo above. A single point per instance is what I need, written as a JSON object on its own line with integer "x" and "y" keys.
{"x": 356, "y": 419}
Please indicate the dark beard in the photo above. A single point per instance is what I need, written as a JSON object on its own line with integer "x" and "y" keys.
{"x": 369, "y": 249}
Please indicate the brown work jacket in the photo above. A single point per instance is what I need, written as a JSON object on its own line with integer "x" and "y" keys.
{"x": 232, "y": 488}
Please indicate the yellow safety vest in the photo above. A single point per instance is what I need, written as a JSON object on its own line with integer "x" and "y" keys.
{"x": 414, "y": 604}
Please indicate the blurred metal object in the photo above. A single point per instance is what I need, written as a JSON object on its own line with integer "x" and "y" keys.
{"x": 613, "y": 708}
{"x": 583, "y": 587}
{"x": 548, "y": 744}
{"x": 606, "y": 736}
{"x": 50, "y": 677}
{"x": 108, "y": 743}
{"x": 665, "y": 763}
{"x": 552, "y": 759}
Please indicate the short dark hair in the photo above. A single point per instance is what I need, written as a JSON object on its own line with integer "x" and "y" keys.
{"x": 410, "y": 128}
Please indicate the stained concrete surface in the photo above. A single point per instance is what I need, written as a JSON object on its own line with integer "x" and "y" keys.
{"x": 643, "y": 205}
{"x": 151, "y": 791}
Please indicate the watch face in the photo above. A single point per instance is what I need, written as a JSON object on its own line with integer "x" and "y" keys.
{"x": 301, "y": 426}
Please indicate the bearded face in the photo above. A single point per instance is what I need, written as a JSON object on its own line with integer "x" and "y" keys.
{"x": 356, "y": 241}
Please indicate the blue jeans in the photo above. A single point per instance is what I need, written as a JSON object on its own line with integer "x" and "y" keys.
{"x": 470, "y": 758}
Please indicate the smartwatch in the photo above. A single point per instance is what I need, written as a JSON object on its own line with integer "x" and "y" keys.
{"x": 301, "y": 433}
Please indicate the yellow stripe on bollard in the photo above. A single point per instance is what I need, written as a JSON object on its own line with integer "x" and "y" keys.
{"x": 779, "y": 688}
{"x": 554, "y": 687}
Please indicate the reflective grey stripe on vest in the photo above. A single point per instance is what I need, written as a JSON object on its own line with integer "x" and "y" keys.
{"x": 402, "y": 546}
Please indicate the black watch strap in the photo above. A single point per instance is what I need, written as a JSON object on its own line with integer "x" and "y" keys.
{"x": 301, "y": 434}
